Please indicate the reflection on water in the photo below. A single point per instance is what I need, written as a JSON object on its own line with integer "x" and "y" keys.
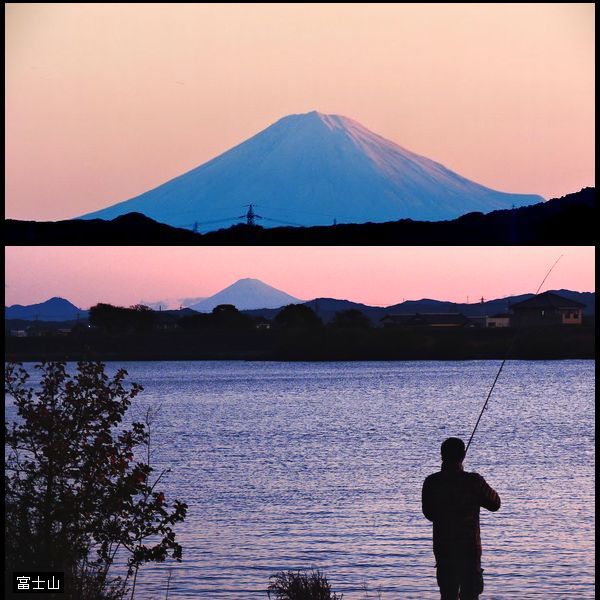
{"x": 321, "y": 464}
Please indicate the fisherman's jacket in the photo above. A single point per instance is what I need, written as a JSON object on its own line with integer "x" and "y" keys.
{"x": 451, "y": 499}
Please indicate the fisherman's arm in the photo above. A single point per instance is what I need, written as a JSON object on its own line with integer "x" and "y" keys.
{"x": 488, "y": 497}
{"x": 427, "y": 500}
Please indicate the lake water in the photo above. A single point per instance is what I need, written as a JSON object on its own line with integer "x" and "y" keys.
{"x": 295, "y": 465}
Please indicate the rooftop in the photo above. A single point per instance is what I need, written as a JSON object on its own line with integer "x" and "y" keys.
{"x": 548, "y": 300}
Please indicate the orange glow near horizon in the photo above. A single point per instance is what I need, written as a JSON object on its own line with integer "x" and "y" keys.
{"x": 105, "y": 101}
{"x": 372, "y": 275}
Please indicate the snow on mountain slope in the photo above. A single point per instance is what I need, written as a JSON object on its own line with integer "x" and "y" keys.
{"x": 247, "y": 294}
{"x": 312, "y": 169}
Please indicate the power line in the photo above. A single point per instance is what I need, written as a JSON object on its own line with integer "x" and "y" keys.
{"x": 251, "y": 217}
{"x": 283, "y": 222}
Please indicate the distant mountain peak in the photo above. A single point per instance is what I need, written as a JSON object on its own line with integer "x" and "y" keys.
{"x": 247, "y": 294}
{"x": 55, "y": 300}
{"x": 58, "y": 300}
{"x": 53, "y": 309}
{"x": 311, "y": 169}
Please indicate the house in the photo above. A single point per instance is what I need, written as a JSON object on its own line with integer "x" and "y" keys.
{"x": 39, "y": 331}
{"x": 437, "y": 320}
{"x": 498, "y": 320}
{"x": 478, "y": 320}
{"x": 262, "y": 323}
{"x": 166, "y": 320}
{"x": 166, "y": 325}
{"x": 547, "y": 309}
{"x": 396, "y": 320}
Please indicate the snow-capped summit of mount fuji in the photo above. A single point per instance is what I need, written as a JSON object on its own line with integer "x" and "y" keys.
{"x": 247, "y": 294}
{"x": 314, "y": 169}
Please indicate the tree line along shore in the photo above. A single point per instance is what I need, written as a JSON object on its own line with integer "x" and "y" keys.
{"x": 295, "y": 334}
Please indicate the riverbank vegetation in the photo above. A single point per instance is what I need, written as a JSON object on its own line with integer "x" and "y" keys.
{"x": 295, "y": 333}
{"x": 79, "y": 487}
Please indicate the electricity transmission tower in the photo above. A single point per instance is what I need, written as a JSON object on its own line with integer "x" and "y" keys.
{"x": 250, "y": 216}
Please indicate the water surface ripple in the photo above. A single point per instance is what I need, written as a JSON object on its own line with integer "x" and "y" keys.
{"x": 292, "y": 465}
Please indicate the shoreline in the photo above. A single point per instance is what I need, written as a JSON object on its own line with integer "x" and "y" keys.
{"x": 299, "y": 360}
{"x": 319, "y": 345}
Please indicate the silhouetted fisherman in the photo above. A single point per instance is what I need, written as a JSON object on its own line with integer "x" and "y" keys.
{"x": 451, "y": 500}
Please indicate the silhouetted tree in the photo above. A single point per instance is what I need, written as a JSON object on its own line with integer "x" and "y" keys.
{"x": 298, "y": 316}
{"x": 351, "y": 319}
{"x": 229, "y": 317}
{"x": 140, "y": 307}
{"x": 223, "y": 316}
{"x": 195, "y": 322}
{"x": 75, "y": 491}
{"x": 116, "y": 319}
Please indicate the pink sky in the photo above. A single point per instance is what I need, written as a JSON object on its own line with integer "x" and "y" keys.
{"x": 373, "y": 275}
{"x": 105, "y": 101}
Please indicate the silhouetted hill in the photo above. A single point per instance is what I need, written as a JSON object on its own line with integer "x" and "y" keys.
{"x": 54, "y": 309}
{"x": 128, "y": 230}
{"x": 114, "y": 333}
{"x": 487, "y": 307}
{"x": 324, "y": 307}
{"x": 567, "y": 220}
{"x": 327, "y": 307}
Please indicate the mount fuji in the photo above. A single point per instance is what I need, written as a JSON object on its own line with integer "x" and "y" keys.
{"x": 315, "y": 169}
{"x": 247, "y": 294}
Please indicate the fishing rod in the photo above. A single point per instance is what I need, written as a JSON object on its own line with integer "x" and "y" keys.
{"x": 504, "y": 361}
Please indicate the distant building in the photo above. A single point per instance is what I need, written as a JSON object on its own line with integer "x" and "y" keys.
{"x": 428, "y": 320}
{"x": 262, "y": 323}
{"x": 479, "y": 321}
{"x": 498, "y": 320}
{"x": 166, "y": 325}
{"x": 166, "y": 320}
{"x": 396, "y": 320}
{"x": 547, "y": 309}
{"x": 18, "y": 333}
{"x": 39, "y": 331}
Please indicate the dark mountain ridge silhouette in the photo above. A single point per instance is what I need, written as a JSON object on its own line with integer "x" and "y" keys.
{"x": 53, "y": 309}
{"x": 567, "y": 220}
{"x": 326, "y": 308}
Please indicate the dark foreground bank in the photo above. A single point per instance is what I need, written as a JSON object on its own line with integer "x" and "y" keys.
{"x": 319, "y": 344}
{"x": 567, "y": 220}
